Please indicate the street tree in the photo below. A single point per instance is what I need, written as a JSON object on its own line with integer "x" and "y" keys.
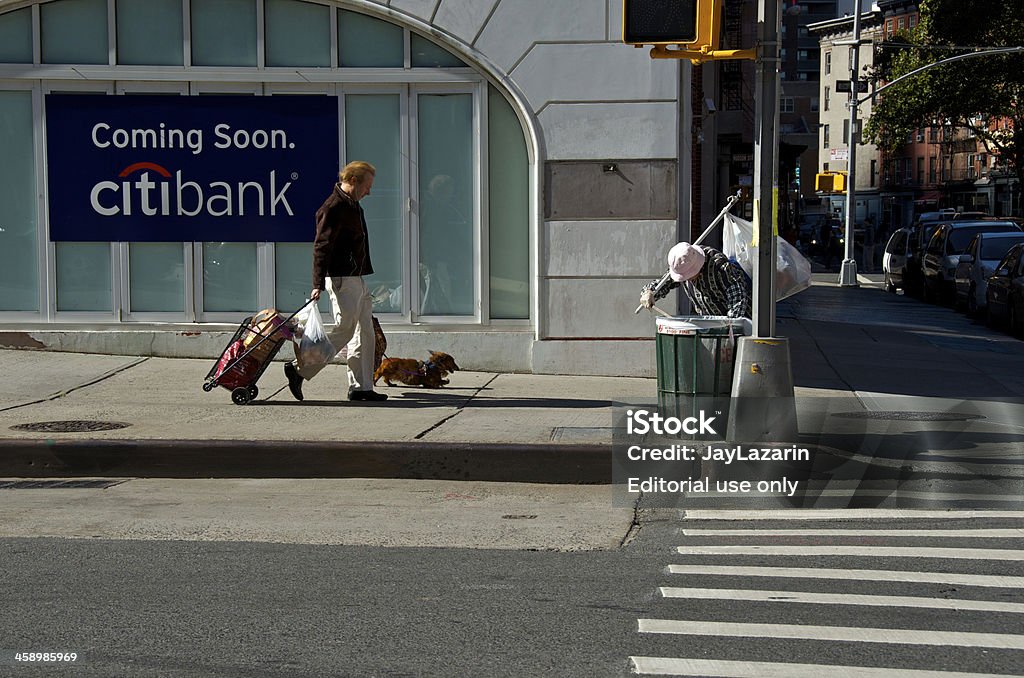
{"x": 984, "y": 95}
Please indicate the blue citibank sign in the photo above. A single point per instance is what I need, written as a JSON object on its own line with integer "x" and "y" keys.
{"x": 188, "y": 168}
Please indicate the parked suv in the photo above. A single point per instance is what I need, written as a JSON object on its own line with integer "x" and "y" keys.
{"x": 941, "y": 256}
{"x": 1005, "y": 292}
{"x": 977, "y": 263}
{"x": 920, "y": 234}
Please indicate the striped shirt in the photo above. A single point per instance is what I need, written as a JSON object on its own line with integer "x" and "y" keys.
{"x": 720, "y": 288}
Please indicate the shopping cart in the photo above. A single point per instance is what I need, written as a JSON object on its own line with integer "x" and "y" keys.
{"x": 251, "y": 349}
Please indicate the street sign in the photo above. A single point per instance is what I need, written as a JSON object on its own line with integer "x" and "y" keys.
{"x": 835, "y": 154}
{"x": 846, "y": 86}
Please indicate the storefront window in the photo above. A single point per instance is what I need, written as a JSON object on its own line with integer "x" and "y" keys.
{"x": 229, "y": 277}
{"x": 16, "y": 37}
{"x": 19, "y": 277}
{"x": 83, "y": 276}
{"x": 366, "y": 42}
{"x": 223, "y": 32}
{"x": 149, "y": 32}
{"x": 431, "y": 233}
{"x": 446, "y": 223}
{"x": 74, "y": 32}
{"x": 293, "y": 270}
{"x": 426, "y": 54}
{"x": 373, "y": 133}
{"x": 156, "y": 277}
{"x": 298, "y": 33}
{"x": 508, "y": 214}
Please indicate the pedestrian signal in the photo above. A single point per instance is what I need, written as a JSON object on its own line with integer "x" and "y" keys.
{"x": 694, "y": 24}
{"x": 830, "y": 182}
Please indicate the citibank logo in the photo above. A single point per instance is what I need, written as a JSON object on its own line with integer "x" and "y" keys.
{"x": 155, "y": 191}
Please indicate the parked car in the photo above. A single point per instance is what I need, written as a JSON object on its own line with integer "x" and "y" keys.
{"x": 970, "y": 215}
{"x": 1005, "y": 293}
{"x": 920, "y": 234}
{"x": 942, "y": 255}
{"x": 894, "y": 259}
{"x": 977, "y": 263}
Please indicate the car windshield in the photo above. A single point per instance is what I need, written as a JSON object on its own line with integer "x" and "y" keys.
{"x": 996, "y": 248}
{"x": 960, "y": 238}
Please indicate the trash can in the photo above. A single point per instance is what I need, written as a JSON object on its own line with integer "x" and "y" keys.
{"x": 695, "y": 360}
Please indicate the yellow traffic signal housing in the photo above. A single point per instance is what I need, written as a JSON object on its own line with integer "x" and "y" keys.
{"x": 830, "y": 182}
{"x": 693, "y": 25}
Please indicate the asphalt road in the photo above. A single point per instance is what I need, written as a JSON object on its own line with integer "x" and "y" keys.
{"x": 672, "y": 594}
{"x": 143, "y": 608}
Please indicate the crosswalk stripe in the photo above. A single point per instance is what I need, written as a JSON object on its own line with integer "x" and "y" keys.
{"x": 670, "y": 666}
{"x": 811, "y": 532}
{"x": 1003, "y": 641}
{"x": 841, "y": 599}
{"x": 856, "y": 575}
{"x": 840, "y": 514}
{"x": 865, "y": 551}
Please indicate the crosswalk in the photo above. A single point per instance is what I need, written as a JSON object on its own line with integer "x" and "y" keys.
{"x": 927, "y": 594}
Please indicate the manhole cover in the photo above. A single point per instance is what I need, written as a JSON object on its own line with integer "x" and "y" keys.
{"x": 81, "y": 426}
{"x": 909, "y": 416}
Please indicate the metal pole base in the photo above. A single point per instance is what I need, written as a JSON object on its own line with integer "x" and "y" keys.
{"x": 848, "y": 274}
{"x": 763, "y": 408}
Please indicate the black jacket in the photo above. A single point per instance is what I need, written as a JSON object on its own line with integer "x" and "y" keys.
{"x": 342, "y": 246}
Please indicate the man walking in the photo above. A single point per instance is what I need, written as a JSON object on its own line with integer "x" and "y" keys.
{"x": 341, "y": 257}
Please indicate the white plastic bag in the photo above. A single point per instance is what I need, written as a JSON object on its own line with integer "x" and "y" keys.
{"x": 314, "y": 350}
{"x": 792, "y": 270}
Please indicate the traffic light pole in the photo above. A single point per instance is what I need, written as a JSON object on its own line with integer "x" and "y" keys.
{"x": 763, "y": 406}
{"x": 848, "y": 273}
{"x": 766, "y": 116}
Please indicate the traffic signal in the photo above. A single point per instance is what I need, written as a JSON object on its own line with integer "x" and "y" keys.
{"x": 693, "y": 24}
{"x": 830, "y": 182}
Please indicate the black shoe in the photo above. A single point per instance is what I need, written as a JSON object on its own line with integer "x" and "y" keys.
{"x": 371, "y": 396}
{"x": 294, "y": 380}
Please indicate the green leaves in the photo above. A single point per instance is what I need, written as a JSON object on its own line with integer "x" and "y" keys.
{"x": 981, "y": 93}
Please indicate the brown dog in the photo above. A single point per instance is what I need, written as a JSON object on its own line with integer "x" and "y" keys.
{"x": 413, "y": 372}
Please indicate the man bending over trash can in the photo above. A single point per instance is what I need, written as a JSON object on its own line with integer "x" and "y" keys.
{"x": 716, "y": 286}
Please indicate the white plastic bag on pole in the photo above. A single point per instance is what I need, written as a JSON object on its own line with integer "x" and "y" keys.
{"x": 792, "y": 270}
{"x": 314, "y": 350}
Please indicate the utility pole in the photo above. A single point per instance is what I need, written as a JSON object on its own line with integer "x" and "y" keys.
{"x": 763, "y": 406}
{"x": 766, "y": 184}
{"x": 848, "y": 272}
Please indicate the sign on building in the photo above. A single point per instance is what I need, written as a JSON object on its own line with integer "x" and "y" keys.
{"x": 837, "y": 154}
{"x": 188, "y": 168}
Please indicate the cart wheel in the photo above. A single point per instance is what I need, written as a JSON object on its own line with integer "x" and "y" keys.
{"x": 253, "y": 392}
{"x": 208, "y": 386}
{"x": 240, "y": 395}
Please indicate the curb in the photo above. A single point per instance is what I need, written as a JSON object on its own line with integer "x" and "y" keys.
{"x": 500, "y": 462}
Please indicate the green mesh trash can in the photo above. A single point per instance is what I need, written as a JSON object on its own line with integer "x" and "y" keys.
{"x": 695, "y": 361}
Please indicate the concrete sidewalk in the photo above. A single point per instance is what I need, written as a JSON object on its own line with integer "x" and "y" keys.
{"x": 858, "y": 343}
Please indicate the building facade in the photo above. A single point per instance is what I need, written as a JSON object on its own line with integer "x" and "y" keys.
{"x": 163, "y": 160}
{"x": 834, "y": 130}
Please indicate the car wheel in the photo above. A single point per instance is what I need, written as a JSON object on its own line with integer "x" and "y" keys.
{"x": 990, "y": 318}
{"x": 1013, "y": 321}
{"x": 926, "y": 293}
{"x": 972, "y": 301}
